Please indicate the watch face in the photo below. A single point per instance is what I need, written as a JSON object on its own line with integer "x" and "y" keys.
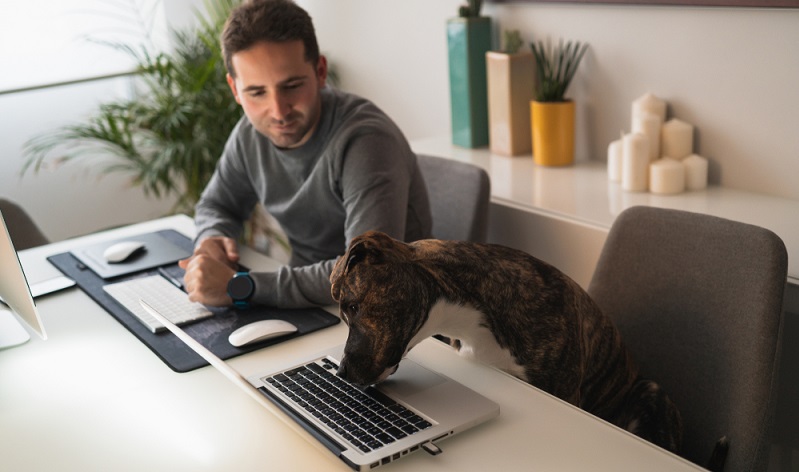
{"x": 240, "y": 287}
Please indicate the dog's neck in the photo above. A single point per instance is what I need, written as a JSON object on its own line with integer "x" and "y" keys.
{"x": 467, "y": 325}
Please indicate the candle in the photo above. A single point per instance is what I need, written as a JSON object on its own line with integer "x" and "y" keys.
{"x": 648, "y": 103}
{"x": 614, "y": 161}
{"x": 635, "y": 162}
{"x": 676, "y": 139}
{"x": 666, "y": 176}
{"x": 695, "y": 172}
{"x": 649, "y": 124}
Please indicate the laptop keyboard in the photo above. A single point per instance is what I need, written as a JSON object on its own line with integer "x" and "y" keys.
{"x": 367, "y": 419}
{"x": 162, "y": 295}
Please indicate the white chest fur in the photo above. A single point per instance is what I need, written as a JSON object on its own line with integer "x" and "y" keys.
{"x": 465, "y": 323}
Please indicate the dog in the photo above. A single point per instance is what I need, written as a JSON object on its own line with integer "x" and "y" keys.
{"x": 505, "y": 308}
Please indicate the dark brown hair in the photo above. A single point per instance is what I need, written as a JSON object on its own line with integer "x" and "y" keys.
{"x": 276, "y": 21}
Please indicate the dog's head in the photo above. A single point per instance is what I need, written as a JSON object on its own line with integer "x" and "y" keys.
{"x": 383, "y": 299}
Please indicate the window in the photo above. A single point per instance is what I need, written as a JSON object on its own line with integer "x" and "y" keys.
{"x": 45, "y": 42}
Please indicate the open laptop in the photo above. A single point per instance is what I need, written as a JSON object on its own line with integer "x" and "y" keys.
{"x": 365, "y": 428}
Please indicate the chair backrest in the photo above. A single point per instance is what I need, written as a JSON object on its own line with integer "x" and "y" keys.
{"x": 459, "y": 195}
{"x": 698, "y": 301}
{"x": 24, "y": 232}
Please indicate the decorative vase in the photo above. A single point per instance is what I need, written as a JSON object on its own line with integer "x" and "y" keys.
{"x": 468, "y": 40}
{"x": 552, "y": 126}
{"x": 510, "y": 89}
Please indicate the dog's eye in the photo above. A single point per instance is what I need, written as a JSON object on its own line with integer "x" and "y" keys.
{"x": 352, "y": 309}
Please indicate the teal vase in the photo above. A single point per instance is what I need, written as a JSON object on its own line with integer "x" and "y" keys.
{"x": 468, "y": 40}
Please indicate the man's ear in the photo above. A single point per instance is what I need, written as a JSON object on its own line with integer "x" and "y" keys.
{"x": 321, "y": 71}
{"x": 232, "y": 84}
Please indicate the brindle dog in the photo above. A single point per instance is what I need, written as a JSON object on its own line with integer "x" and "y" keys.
{"x": 505, "y": 308}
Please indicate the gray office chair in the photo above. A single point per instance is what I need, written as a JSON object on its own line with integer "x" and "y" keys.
{"x": 698, "y": 301}
{"x": 24, "y": 232}
{"x": 459, "y": 195}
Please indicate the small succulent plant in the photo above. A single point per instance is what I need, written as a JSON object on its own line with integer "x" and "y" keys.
{"x": 556, "y": 68}
{"x": 513, "y": 41}
{"x": 470, "y": 10}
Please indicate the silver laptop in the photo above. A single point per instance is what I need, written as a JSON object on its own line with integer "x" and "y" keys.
{"x": 365, "y": 428}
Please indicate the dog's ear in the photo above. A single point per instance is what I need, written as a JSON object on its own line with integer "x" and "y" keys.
{"x": 363, "y": 247}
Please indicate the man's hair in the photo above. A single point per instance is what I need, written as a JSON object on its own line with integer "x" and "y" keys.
{"x": 276, "y": 21}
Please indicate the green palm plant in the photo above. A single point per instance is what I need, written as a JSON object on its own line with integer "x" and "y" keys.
{"x": 556, "y": 68}
{"x": 170, "y": 136}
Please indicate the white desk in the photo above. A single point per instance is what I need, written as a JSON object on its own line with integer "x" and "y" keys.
{"x": 581, "y": 195}
{"x": 92, "y": 397}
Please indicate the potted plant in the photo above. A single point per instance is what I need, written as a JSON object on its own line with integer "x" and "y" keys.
{"x": 552, "y": 115}
{"x": 170, "y": 135}
{"x": 468, "y": 40}
{"x": 511, "y": 76}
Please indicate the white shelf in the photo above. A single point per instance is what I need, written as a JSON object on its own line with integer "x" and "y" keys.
{"x": 582, "y": 194}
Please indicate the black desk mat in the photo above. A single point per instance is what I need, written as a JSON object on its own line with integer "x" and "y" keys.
{"x": 211, "y": 332}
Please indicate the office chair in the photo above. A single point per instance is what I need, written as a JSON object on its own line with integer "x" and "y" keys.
{"x": 459, "y": 194}
{"x": 698, "y": 301}
{"x": 24, "y": 232}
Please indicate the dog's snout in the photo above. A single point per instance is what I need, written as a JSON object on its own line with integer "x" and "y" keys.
{"x": 342, "y": 371}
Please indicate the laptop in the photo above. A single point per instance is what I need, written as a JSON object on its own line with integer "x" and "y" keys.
{"x": 365, "y": 428}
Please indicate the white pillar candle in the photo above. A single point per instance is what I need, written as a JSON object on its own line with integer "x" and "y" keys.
{"x": 666, "y": 176}
{"x": 676, "y": 139}
{"x": 649, "y": 103}
{"x": 614, "y": 161}
{"x": 695, "y": 172}
{"x": 635, "y": 162}
{"x": 649, "y": 124}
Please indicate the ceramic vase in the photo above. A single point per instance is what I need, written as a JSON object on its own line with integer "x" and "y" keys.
{"x": 468, "y": 40}
{"x": 552, "y": 126}
{"x": 510, "y": 90}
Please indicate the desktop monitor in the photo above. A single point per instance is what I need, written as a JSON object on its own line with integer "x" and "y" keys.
{"x": 16, "y": 295}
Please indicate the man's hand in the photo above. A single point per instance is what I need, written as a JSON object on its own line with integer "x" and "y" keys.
{"x": 209, "y": 270}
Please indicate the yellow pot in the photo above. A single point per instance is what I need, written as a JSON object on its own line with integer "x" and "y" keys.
{"x": 552, "y": 126}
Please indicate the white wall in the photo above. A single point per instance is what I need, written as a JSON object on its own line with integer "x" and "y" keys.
{"x": 731, "y": 72}
{"x": 70, "y": 200}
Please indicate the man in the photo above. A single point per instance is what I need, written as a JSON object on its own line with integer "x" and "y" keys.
{"x": 326, "y": 165}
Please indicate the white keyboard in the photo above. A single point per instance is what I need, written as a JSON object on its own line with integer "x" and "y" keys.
{"x": 159, "y": 293}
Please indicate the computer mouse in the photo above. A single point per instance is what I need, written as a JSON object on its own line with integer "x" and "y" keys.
{"x": 260, "y": 331}
{"x": 122, "y": 251}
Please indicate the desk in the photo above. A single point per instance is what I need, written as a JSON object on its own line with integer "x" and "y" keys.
{"x": 92, "y": 398}
{"x": 582, "y": 204}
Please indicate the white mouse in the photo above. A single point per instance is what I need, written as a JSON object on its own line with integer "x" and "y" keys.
{"x": 122, "y": 251}
{"x": 260, "y": 331}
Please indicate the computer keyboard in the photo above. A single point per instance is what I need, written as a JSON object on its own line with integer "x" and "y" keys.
{"x": 162, "y": 295}
{"x": 366, "y": 418}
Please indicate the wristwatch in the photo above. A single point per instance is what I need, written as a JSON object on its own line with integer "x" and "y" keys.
{"x": 241, "y": 288}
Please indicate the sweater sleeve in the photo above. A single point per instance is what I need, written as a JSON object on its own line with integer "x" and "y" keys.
{"x": 229, "y": 198}
{"x": 375, "y": 185}
{"x": 374, "y": 182}
{"x": 295, "y": 287}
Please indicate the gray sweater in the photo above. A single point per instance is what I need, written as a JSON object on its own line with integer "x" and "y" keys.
{"x": 356, "y": 173}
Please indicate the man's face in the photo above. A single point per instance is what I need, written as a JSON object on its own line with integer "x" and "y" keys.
{"x": 279, "y": 90}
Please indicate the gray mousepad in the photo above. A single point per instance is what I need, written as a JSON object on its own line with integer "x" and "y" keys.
{"x": 158, "y": 251}
{"x": 211, "y": 332}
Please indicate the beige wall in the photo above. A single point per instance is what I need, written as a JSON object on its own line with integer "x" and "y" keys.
{"x": 733, "y": 73}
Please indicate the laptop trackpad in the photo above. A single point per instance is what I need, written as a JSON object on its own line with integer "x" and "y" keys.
{"x": 410, "y": 380}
